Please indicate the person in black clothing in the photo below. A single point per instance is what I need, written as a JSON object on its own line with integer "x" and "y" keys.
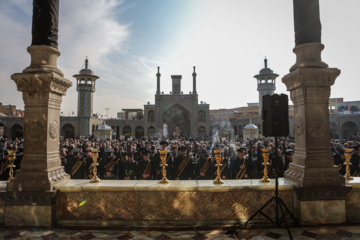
{"x": 69, "y": 155}
{"x": 157, "y": 163}
{"x": 241, "y": 167}
{"x": 183, "y": 168}
{"x": 76, "y": 165}
{"x": 146, "y": 168}
{"x": 224, "y": 169}
{"x": 288, "y": 158}
{"x": 152, "y": 151}
{"x": 109, "y": 167}
{"x": 88, "y": 166}
{"x": 204, "y": 167}
{"x": 174, "y": 152}
{"x": 276, "y": 161}
{"x": 4, "y": 163}
{"x": 355, "y": 162}
{"x": 19, "y": 156}
{"x": 339, "y": 159}
{"x": 130, "y": 167}
{"x": 63, "y": 158}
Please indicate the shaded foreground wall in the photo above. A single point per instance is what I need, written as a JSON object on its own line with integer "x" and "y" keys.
{"x": 180, "y": 203}
{"x": 149, "y": 203}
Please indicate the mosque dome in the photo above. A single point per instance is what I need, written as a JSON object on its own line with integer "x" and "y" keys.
{"x": 250, "y": 126}
{"x": 86, "y": 71}
{"x": 266, "y": 71}
{"x": 104, "y": 127}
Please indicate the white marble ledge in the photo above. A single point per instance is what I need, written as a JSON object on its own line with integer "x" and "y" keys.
{"x": 355, "y": 182}
{"x": 173, "y": 186}
{"x": 2, "y": 185}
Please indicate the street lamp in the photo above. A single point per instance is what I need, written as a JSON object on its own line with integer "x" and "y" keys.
{"x": 107, "y": 112}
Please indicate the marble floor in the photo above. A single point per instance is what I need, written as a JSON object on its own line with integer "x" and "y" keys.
{"x": 331, "y": 232}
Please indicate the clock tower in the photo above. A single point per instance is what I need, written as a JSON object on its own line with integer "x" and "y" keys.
{"x": 85, "y": 85}
{"x": 176, "y": 84}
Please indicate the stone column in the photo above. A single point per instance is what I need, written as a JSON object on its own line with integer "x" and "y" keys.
{"x": 194, "y": 81}
{"x": 29, "y": 198}
{"x": 320, "y": 189}
{"x": 158, "y": 75}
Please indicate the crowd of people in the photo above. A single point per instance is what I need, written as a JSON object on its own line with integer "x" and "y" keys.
{"x": 186, "y": 158}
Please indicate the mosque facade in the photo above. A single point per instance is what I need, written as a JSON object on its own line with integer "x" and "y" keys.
{"x": 181, "y": 113}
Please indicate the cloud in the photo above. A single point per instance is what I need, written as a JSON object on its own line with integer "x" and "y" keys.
{"x": 15, "y": 25}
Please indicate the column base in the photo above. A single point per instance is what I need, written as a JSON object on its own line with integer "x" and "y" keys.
{"x": 314, "y": 176}
{"x": 37, "y": 180}
{"x": 321, "y": 204}
{"x": 33, "y": 209}
{"x": 321, "y": 212}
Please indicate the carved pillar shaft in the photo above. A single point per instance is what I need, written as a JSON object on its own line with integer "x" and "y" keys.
{"x": 312, "y": 163}
{"x": 320, "y": 189}
{"x": 42, "y": 94}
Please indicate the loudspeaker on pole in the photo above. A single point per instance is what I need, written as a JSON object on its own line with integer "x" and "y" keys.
{"x": 275, "y": 115}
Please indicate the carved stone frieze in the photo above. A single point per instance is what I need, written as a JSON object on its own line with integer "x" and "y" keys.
{"x": 310, "y": 77}
{"x": 54, "y": 130}
{"x": 43, "y": 82}
{"x": 314, "y": 176}
{"x": 34, "y": 129}
{"x": 299, "y": 126}
{"x": 318, "y": 126}
{"x": 168, "y": 206}
{"x": 322, "y": 193}
{"x": 37, "y": 180}
{"x": 295, "y": 173}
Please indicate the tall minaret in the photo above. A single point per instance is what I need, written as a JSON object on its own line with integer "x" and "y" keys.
{"x": 194, "y": 81}
{"x": 158, "y": 75}
{"x": 85, "y": 85}
{"x": 266, "y": 83}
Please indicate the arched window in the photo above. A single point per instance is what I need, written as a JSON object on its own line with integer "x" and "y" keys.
{"x": 151, "y": 116}
{"x": 139, "y": 132}
{"x": 201, "y": 116}
{"x": 17, "y": 131}
{"x": 68, "y": 131}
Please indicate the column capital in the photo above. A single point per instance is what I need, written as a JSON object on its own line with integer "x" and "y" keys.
{"x": 41, "y": 82}
{"x": 310, "y": 77}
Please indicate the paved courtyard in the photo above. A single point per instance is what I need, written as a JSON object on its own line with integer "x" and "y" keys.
{"x": 330, "y": 232}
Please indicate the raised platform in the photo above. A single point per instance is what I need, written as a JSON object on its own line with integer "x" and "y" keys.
{"x": 178, "y": 203}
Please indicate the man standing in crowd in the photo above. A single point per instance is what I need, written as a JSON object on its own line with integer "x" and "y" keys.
{"x": 146, "y": 168}
{"x": 157, "y": 162}
{"x": 204, "y": 167}
{"x": 109, "y": 168}
{"x": 130, "y": 167}
{"x": 241, "y": 168}
{"x": 183, "y": 169}
{"x": 76, "y": 165}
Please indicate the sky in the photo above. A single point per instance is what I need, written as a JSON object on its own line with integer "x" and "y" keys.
{"x": 227, "y": 40}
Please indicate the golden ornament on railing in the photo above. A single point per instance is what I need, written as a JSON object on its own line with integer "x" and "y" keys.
{"x": 265, "y": 154}
{"x": 11, "y": 157}
{"x": 94, "y": 155}
{"x": 347, "y": 162}
{"x": 218, "y": 164}
{"x": 163, "y": 164}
